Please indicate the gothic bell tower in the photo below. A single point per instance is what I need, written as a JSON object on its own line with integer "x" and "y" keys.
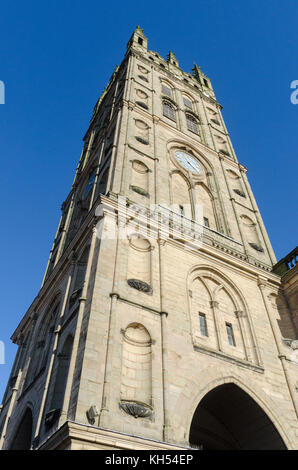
{"x": 160, "y": 323}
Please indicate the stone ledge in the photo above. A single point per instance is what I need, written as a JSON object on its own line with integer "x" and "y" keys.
{"x": 231, "y": 359}
{"x": 82, "y": 434}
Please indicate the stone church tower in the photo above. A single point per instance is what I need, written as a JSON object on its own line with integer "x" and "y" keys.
{"x": 160, "y": 323}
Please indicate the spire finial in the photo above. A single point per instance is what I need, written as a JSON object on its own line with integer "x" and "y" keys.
{"x": 172, "y": 58}
{"x": 196, "y": 71}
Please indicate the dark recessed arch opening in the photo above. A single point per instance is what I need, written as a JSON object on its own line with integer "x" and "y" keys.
{"x": 23, "y": 435}
{"x": 227, "y": 418}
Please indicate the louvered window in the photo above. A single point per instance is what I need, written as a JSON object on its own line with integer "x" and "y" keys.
{"x": 187, "y": 103}
{"x": 169, "y": 111}
{"x": 166, "y": 90}
{"x": 192, "y": 124}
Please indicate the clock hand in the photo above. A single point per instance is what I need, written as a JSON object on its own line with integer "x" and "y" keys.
{"x": 192, "y": 165}
{"x": 188, "y": 161}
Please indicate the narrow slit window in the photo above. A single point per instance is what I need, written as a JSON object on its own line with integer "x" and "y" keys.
{"x": 203, "y": 324}
{"x": 206, "y": 222}
{"x": 206, "y": 83}
{"x": 230, "y": 334}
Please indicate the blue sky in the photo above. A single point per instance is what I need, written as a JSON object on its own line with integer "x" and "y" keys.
{"x": 55, "y": 59}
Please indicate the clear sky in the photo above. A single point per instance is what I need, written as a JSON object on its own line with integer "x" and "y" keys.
{"x": 55, "y": 59}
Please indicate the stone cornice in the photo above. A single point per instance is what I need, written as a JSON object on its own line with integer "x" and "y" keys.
{"x": 72, "y": 431}
{"x": 198, "y": 89}
{"x": 230, "y": 359}
{"x": 137, "y": 304}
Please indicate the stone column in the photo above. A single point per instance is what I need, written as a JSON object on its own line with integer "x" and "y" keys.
{"x": 214, "y": 306}
{"x": 240, "y": 315}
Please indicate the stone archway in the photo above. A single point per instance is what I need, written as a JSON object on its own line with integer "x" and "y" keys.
{"x": 23, "y": 435}
{"x": 227, "y": 418}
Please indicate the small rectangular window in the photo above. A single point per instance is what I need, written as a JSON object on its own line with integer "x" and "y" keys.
{"x": 206, "y": 222}
{"x": 203, "y": 324}
{"x": 140, "y": 41}
{"x": 206, "y": 83}
{"x": 230, "y": 334}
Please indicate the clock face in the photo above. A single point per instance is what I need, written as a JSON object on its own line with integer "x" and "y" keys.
{"x": 188, "y": 162}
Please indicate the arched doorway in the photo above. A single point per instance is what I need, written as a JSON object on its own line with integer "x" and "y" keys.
{"x": 227, "y": 418}
{"x": 23, "y": 436}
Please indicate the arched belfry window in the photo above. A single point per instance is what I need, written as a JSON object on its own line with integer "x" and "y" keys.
{"x": 80, "y": 273}
{"x": 187, "y": 102}
{"x": 168, "y": 110}
{"x": 166, "y": 90}
{"x": 89, "y": 185}
{"x": 23, "y": 436}
{"x": 42, "y": 343}
{"x": 192, "y": 123}
{"x": 61, "y": 375}
{"x": 136, "y": 373}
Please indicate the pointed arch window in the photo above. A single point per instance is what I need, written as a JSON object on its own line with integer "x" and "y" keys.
{"x": 60, "y": 382}
{"x": 192, "y": 124}
{"x": 89, "y": 185}
{"x": 168, "y": 110}
{"x": 42, "y": 345}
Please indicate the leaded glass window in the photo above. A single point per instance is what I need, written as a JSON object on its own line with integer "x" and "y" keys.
{"x": 192, "y": 124}
{"x": 230, "y": 334}
{"x": 187, "y": 102}
{"x": 166, "y": 90}
{"x": 203, "y": 324}
{"x": 89, "y": 185}
{"x": 169, "y": 110}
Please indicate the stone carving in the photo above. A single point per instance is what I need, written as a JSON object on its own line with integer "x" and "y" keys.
{"x": 139, "y": 190}
{"x": 139, "y": 285}
{"x": 256, "y": 247}
{"x": 239, "y": 192}
{"x": 143, "y": 141}
{"x": 135, "y": 409}
{"x": 142, "y": 104}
